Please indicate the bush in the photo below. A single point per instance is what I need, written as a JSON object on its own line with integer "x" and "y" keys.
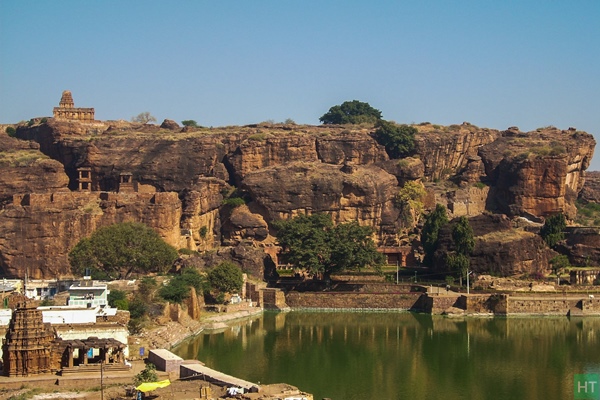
{"x": 117, "y": 295}
{"x": 147, "y": 289}
{"x": 138, "y": 308}
{"x": 399, "y": 140}
{"x": 121, "y": 304}
{"x": 11, "y": 131}
{"x": 203, "y": 231}
{"x": 148, "y": 374}
{"x": 178, "y": 288}
{"x": 190, "y": 122}
{"x": 234, "y": 202}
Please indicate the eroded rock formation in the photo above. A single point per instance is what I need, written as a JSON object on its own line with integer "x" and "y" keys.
{"x": 183, "y": 178}
{"x": 538, "y": 173}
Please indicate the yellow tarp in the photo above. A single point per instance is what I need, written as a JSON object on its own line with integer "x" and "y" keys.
{"x": 150, "y": 386}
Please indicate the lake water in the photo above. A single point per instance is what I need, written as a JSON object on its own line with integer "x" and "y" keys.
{"x": 362, "y": 356}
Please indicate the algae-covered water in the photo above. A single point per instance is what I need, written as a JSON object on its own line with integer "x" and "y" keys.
{"x": 362, "y": 356}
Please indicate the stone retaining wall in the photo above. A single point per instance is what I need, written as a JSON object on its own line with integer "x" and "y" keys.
{"x": 337, "y": 300}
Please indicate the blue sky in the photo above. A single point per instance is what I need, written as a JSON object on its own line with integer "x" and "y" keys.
{"x": 493, "y": 63}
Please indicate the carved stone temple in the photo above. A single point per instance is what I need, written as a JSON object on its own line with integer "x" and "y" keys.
{"x": 66, "y": 110}
{"x": 29, "y": 344}
{"x": 33, "y": 347}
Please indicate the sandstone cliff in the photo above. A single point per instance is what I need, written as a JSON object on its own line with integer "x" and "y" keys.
{"x": 500, "y": 248}
{"x": 537, "y": 173}
{"x": 37, "y": 231}
{"x": 180, "y": 179}
{"x": 25, "y": 170}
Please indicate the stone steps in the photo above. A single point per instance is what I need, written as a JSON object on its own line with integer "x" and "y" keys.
{"x": 80, "y": 369}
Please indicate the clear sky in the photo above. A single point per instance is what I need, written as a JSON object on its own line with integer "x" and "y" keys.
{"x": 493, "y": 63}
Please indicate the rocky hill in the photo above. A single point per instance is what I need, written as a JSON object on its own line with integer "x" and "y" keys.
{"x": 178, "y": 181}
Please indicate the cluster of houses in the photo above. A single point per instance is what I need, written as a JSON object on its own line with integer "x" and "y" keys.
{"x": 83, "y": 334}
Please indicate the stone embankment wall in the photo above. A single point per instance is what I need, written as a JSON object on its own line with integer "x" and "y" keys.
{"x": 504, "y": 304}
{"x": 496, "y": 304}
{"x": 336, "y": 300}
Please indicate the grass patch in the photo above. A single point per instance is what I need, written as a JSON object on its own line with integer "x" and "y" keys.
{"x": 259, "y": 137}
{"x": 21, "y": 158}
{"x": 505, "y": 236}
{"x": 588, "y": 214}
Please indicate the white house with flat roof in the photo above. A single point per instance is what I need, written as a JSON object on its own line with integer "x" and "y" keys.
{"x": 87, "y": 293}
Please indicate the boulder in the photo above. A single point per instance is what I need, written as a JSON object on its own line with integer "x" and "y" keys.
{"x": 170, "y": 124}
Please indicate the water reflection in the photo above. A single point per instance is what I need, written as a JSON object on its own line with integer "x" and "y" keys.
{"x": 405, "y": 355}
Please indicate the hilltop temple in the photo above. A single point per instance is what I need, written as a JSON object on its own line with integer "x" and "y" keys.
{"x": 66, "y": 110}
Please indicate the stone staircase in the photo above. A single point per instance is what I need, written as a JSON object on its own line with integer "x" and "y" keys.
{"x": 81, "y": 369}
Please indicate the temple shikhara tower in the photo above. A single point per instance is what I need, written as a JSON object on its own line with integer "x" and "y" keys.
{"x": 28, "y": 346}
{"x": 66, "y": 110}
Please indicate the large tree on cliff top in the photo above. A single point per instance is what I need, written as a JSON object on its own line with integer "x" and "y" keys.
{"x": 313, "y": 244}
{"x": 122, "y": 249}
{"x": 351, "y": 112}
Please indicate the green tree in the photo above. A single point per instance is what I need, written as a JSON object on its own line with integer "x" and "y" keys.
{"x": 178, "y": 288}
{"x": 351, "y": 112}
{"x": 304, "y": 241}
{"x": 118, "y": 299}
{"x": 122, "y": 249}
{"x": 352, "y": 248}
{"x": 226, "y": 278}
{"x": 553, "y": 230}
{"x": 399, "y": 140}
{"x": 462, "y": 235}
{"x": 559, "y": 264}
{"x": 147, "y": 288}
{"x": 11, "y": 131}
{"x": 143, "y": 118}
{"x": 410, "y": 200}
{"x": 137, "y": 308}
{"x": 312, "y": 243}
{"x": 464, "y": 243}
{"x": 148, "y": 374}
{"x": 458, "y": 262}
{"x": 434, "y": 221}
{"x": 190, "y": 122}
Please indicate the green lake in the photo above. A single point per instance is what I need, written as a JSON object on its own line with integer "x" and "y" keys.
{"x": 362, "y": 356}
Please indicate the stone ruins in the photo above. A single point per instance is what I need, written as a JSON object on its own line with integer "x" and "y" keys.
{"x": 66, "y": 110}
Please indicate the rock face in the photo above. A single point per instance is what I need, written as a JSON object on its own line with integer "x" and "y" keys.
{"x": 499, "y": 248}
{"x": 183, "y": 178}
{"x": 37, "y": 231}
{"x": 446, "y": 150}
{"x": 591, "y": 187}
{"x": 582, "y": 245}
{"x": 348, "y": 193}
{"x": 25, "y": 169}
{"x": 537, "y": 173}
